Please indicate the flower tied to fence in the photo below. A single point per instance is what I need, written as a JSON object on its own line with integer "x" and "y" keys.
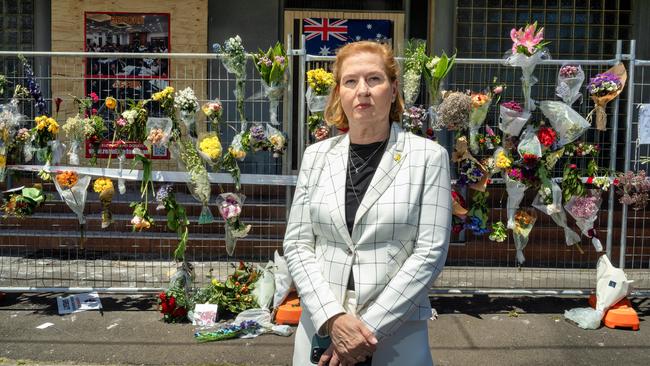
{"x": 603, "y": 88}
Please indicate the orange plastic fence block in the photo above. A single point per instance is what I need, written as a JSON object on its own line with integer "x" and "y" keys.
{"x": 289, "y": 312}
{"x": 621, "y": 315}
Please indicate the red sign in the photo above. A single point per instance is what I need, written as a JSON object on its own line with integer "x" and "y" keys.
{"x": 113, "y": 149}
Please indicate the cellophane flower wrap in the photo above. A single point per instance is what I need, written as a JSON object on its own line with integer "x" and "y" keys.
{"x": 454, "y": 111}
{"x": 529, "y": 144}
{"x": 277, "y": 141}
{"x": 230, "y": 208}
{"x": 234, "y": 60}
{"x": 187, "y": 104}
{"x": 633, "y": 189}
{"x": 104, "y": 186}
{"x": 414, "y": 119}
{"x": 209, "y": 147}
{"x": 319, "y": 84}
{"x": 214, "y": 111}
{"x": 528, "y": 50}
{"x": 199, "y": 183}
{"x": 74, "y": 131}
{"x": 569, "y": 82}
{"x": 9, "y": 123}
{"x": 91, "y": 124}
{"x": 435, "y": 70}
{"x": 568, "y": 123}
{"x": 272, "y": 66}
{"x": 176, "y": 219}
{"x": 159, "y": 132}
{"x": 480, "y": 106}
{"x": 585, "y": 211}
{"x": 414, "y": 64}
{"x": 516, "y": 189}
{"x": 549, "y": 201}
{"x": 524, "y": 220}
{"x": 21, "y": 202}
{"x": 23, "y": 141}
{"x": 234, "y": 295}
{"x": 73, "y": 188}
{"x": 603, "y": 88}
{"x": 174, "y": 303}
{"x": 512, "y": 118}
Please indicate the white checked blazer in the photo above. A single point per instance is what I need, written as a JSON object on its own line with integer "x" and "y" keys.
{"x": 399, "y": 239}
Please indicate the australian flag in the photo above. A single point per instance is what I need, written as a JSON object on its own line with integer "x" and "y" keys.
{"x": 323, "y": 36}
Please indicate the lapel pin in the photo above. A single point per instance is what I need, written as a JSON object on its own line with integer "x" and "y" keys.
{"x": 398, "y": 157}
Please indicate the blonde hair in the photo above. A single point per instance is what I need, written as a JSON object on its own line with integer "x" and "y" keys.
{"x": 334, "y": 114}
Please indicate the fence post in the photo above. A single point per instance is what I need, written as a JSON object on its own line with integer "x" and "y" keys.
{"x": 628, "y": 143}
{"x": 301, "y": 99}
{"x": 612, "y": 163}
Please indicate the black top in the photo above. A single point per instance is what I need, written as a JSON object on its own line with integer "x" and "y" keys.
{"x": 363, "y": 161}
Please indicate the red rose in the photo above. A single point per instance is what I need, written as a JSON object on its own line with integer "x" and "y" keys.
{"x": 572, "y": 166}
{"x": 590, "y": 180}
{"x": 164, "y": 308}
{"x": 172, "y": 302}
{"x": 180, "y": 312}
{"x": 616, "y": 181}
{"x": 546, "y": 136}
{"x": 162, "y": 296}
{"x": 457, "y": 229}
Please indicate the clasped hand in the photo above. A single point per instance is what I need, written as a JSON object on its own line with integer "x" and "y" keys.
{"x": 352, "y": 342}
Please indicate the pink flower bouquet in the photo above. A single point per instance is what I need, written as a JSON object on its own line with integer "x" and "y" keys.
{"x": 585, "y": 211}
{"x": 230, "y": 208}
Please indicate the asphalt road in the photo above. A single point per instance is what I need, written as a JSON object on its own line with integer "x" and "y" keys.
{"x": 469, "y": 331}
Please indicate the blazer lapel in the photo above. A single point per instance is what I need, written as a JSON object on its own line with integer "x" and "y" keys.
{"x": 336, "y": 170}
{"x": 386, "y": 171}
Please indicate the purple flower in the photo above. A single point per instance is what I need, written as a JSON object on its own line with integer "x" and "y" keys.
{"x": 603, "y": 84}
{"x": 257, "y": 133}
{"x": 279, "y": 59}
{"x": 163, "y": 192}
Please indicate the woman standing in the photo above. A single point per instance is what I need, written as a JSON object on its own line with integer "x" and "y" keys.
{"x": 369, "y": 226}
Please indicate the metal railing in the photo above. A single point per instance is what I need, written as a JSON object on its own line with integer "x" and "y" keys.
{"x": 475, "y": 265}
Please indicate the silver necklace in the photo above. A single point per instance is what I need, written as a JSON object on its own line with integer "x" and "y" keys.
{"x": 352, "y": 184}
{"x": 365, "y": 161}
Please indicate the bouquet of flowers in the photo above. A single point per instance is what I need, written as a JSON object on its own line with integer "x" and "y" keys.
{"x": 158, "y": 132}
{"x": 528, "y": 49}
{"x": 9, "y": 122}
{"x": 585, "y": 211}
{"x": 277, "y": 141}
{"x": 33, "y": 88}
{"x": 572, "y": 183}
{"x": 174, "y": 303}
{"x": 524, "y": 220}
{"x": 44, "y": 134}
{"x": 529, "y": 144}
{"x": 230, "y": 208}
{"x": 547, "y": 137}
{"x": 272, "y": 65}
{"x": 549, "y": 201}
{"x": 499, "y": 232}
{"x": 75, "y": 131}
{"x": 141, "y": 219}
{"x": 603, "y": 88}
{"x": 165, "y": 98}
{"x": 234, "y": 60}
{"x": 502, "y": 162}
{"x": 132, "y": 123}
{"x": 569, "y": 82}
{"x": 416, "y": 60}
{"x": 229, "y": 331}
{"x": 209, "y": 147}
{"x": 478, "y": 214}
{"x": 23, "y": 140}
{"x": 414, "y": 119}
{"x": 22, "y": 201}
{"x": 86, "y": 125}
{"x": 199, "y": 184}
{"x": 512, "y": 118}
{"x": 72, "y": 188}
{"x": 320, "y": 82}
{"x": 176, "y": 219}
{"x": 480, "y": 106}
{"x": 633, "y": 188}
{"x": 459, "y": 212}
{"x": 516, "y": 187}
{"x": 454, "y": 111}
{"x": 234, "y": 295}
{"x": 568, "y": 123}
{"x": 187, "y": 103}
{"x": 214, "y": 111}
{"x": 257, "y": 138}
{"x": 435, "y": 70}
{"x": 104, "y": 186}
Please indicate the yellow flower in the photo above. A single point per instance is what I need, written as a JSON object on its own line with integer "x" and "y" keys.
{"x": 320, "y": 80}
{"x": 237, "y": 153}
{"x": 211, "y": 147}
{"x": 277, "y": 140}
{"x": 215, "y": 282}
{"x": 110, "y": 103}
{"x": 503, "y": 161}
{"x": 101, "y": 184}
{"x": 3, "y": 161}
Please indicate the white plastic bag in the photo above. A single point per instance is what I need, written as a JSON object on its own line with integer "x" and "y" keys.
{"x": 511, "y": 122}
{"x": 283, "y": 280}
{"x": 265, "y": 286}
{"x": 568, "y": 123}
{"x": 516, "y": 192}
{"x": 585, "y": 318}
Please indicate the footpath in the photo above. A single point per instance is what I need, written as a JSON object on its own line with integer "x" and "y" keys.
{"x": 478, "y": 330}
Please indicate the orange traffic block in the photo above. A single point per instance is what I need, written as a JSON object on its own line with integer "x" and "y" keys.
{"x": 621, "y": 315}
{"x": 289, "y": 312}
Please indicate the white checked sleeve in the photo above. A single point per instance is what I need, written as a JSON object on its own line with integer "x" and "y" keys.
{"x": 399, "y": 299}
{"x": 299, "y": 243}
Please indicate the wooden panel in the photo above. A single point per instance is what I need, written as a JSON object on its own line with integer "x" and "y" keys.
{"x": 188, "y": 34}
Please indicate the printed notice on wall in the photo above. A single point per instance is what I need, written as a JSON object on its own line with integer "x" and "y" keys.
{"x": 644, "y": 124}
